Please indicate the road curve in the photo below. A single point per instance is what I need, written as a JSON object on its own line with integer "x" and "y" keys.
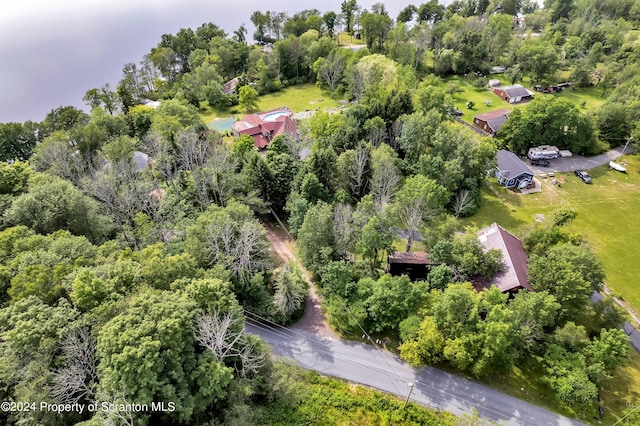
{"x": 380, "y": 369}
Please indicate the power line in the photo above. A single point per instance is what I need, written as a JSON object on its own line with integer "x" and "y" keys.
{"x": 282, "y": 331}
{"x": 374, "y": 344}
{"x": 425, "y": 389}
{"x": 472, "y": 403}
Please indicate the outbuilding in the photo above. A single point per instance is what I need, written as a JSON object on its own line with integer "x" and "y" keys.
{"x": 414, "y": 264}
{"x": 491, "y": 121}
{"x": 513, "y": 94}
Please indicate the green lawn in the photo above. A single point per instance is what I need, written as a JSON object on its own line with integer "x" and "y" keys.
{"x": 591, "y": 97}
{"x": 345, "y": 39}
{"x": 298, "y": 98}
{"x": 478, "y": 96}
{"x": 606, "y": 214}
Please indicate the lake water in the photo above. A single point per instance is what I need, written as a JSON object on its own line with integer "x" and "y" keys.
{"x": 52, "y": 52}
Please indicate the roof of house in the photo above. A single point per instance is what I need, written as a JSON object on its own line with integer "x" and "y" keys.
{"x": 495, "y": 119}
{"x": 230, "y": 86}
{"x": 412, "y": 257}
{"x": 510, "y": 165}
{"x": 263, "y": 131}
{"x": 516, "y": 90}
{"x": 514, "y": 272}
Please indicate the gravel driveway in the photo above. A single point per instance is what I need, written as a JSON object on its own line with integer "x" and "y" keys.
{"x": 576, "y": 162}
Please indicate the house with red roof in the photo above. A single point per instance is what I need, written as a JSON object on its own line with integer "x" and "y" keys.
{"x": 265, "y": 126}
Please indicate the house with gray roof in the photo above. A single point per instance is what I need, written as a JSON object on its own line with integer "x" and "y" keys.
{"x": 514, "y": 275}
{"x": 511, "y": 171}
{"x": 513, "y": 94}
{"x": 491, "y": 121}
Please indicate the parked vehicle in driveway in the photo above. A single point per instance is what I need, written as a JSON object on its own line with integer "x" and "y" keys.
{"x": 540, "y": 163}
{"x": 543, "y": 152}
{"x": 583, "y": 176}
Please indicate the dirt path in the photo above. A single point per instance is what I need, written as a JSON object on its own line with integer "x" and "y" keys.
{"x": 313, "y": 319}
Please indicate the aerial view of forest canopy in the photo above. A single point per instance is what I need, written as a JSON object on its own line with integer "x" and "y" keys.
{"x": 446, "y": 188}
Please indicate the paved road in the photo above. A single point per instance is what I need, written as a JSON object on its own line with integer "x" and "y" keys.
{"x": 576, "y": 162}
{"x": 385, "y": 371}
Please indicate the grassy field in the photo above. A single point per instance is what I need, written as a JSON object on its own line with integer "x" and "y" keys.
{"x": 478, "y": 97}
{"x": 345, "y": 39}
{"x": 606, "y": 212}
{"x": 298, "y": 98}
{"x": 591, "y": 97}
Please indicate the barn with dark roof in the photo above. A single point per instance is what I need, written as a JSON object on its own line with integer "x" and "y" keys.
{"x": 491, "y": 121}
{"x": 513, "y": 94}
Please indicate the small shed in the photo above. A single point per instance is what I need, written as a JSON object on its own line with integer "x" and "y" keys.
{"x": 415, "y": 264}
{"x": 513, "y": 94}
{"x": 511, "y": 171}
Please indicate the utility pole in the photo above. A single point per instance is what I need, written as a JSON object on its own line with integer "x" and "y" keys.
{"x": 411, "y": 384}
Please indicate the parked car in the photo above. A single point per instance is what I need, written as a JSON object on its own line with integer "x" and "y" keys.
{"x": 455, "y": 112}
{"x": 540, "y": 163}
{"x": 583, "y": 176}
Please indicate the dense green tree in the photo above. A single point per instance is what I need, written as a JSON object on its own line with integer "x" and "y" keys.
{"x": 538, "y": 57}
{"x": 248, "y": 99}
{"x": 63, "y": 118}
{"x": 430, "y": 12}
{"x": 330, "y": 18}
{"x": 31, "y": 335}
{"x": 316, "y": 237}
{"x": 42, "y": 210}
{"x": 550, "y": 120}
{"x": 17, "y": 140}
{"x": 566, "y": 374}
{"x": 375, "y": 238}
{"x": 349, "y": 8}
{"x": 375, "y": 26}
{"x": 614, "y": 123}
{"x": 284, "y": 168}
{"x": 297, "y": 207}
{"x": 419, "y": 200}
{"x": 570, "y": 273}
{"x": 149, "y": 353}
{"x": 390, "y": 300}
{"x": 406, "y": 14}
{"x": 290, "y": 290}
